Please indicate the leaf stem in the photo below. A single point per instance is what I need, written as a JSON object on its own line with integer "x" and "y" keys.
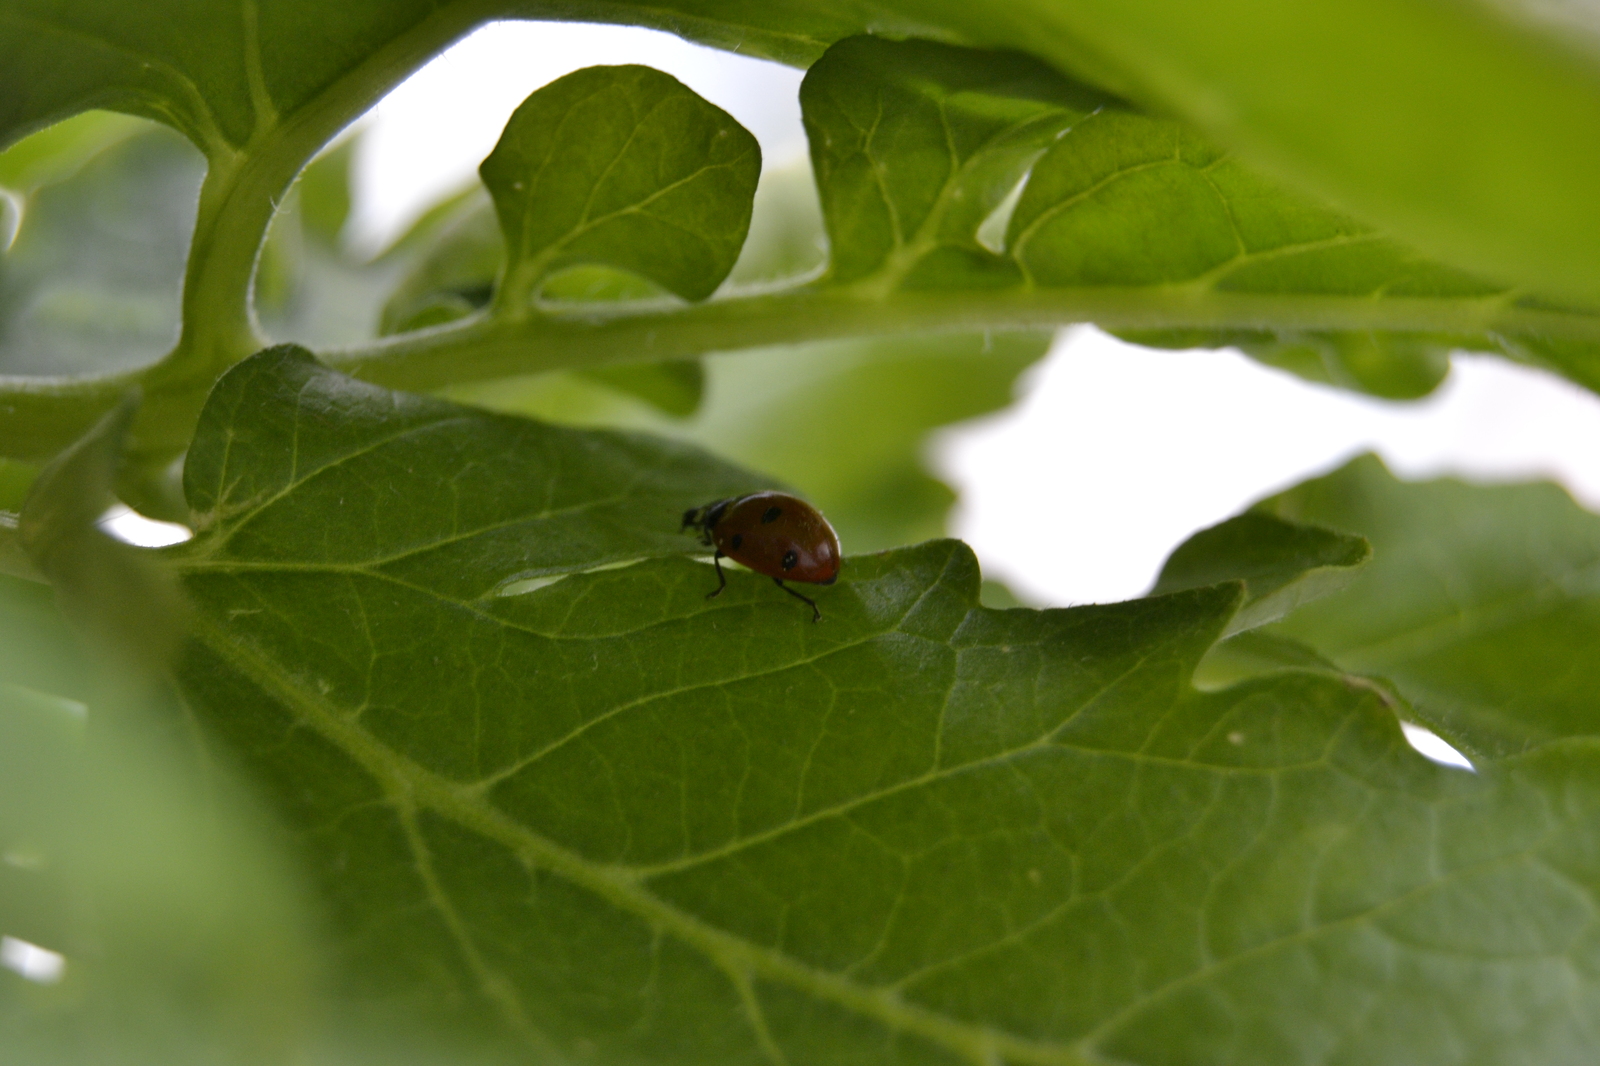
{"x": 242, "y": 190}
{"x": 484, "y": 347}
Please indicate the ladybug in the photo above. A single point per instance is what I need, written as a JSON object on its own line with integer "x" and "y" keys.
{"x": 772, "y": 533}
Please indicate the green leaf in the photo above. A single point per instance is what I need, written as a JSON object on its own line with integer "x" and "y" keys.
{"x": 600, "y": 498}
{"x": 1466, "y": 131}
{"x": 92, "y": 282}
{"x": 1475, "y": 603}
{"x": 607, "y": 817}
{"x": 1127, "y": 199}
{"x": 1282, "y": 564}
{"x": 915, "y": 144}
{"x": 111, "y": 590}
{"x": 622, "y": 167}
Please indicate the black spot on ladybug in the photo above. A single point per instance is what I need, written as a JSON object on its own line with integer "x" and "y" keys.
{"x": 738, "y": 539}
{"x": 772, "y": 515}
{"x": 789, "y": 559}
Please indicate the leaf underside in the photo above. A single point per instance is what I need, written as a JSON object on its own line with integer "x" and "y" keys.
{"x": 1478, "y": 604}
{"x": 606, "y": 815}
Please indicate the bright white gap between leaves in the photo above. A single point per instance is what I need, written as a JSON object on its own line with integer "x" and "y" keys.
{"x": 1115, "y": 454}
{"x": 134, "y": 528}
{"x": 1433, "y": 746}
{"x": 37, "y": 964}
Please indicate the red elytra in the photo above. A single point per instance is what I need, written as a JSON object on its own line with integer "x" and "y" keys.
{"x": 772, "y": 533}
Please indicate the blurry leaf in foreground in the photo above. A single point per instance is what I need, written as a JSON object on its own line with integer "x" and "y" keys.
{"x": 113, "y": 591}
{"x": 1480, "y": 604}
{"x": 172, "y": 931}
{"x": 587, "y": 809}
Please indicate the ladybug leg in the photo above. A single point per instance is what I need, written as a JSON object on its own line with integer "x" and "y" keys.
{"x": 722, "y": 579}
{"x": 816, "y": 615}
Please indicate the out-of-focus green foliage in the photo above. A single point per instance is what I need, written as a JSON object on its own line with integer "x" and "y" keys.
{"x": 149, "y": 913}
{"x": 91, "y": 280}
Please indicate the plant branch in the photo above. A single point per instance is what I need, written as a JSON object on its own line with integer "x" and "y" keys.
{"x": 241, "y": 194}
{"x": 483, "y": 347}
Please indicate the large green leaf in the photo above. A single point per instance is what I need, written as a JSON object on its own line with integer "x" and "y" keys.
{"x": 1478, "y": 603}
{"x": 1460, "y": 127}
{"x": 915, "y": 144}
{"x": 606, "y": 816}
{"x": 1128, "y": 199}
{"x": 622, "y": 167}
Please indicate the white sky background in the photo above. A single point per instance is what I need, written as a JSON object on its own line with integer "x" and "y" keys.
{"x": 1115, "y": 454}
